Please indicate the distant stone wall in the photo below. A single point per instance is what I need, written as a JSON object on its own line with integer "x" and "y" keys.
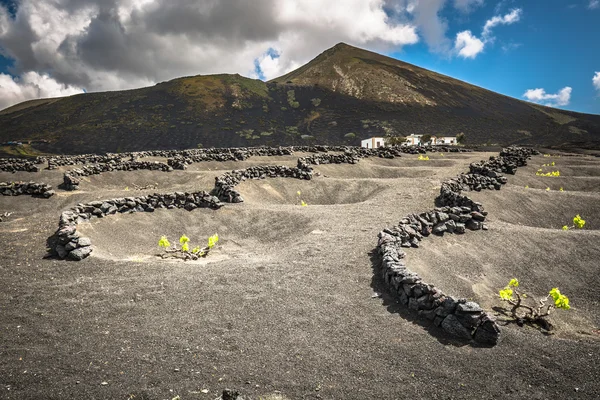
{"x": 19, "y": 164}
{"x": 67, "y": 243}
{"x": 179, "y": 159}
{"x": 224, "y": 184}
{"x": 71, "y": 179}
{"x": 458, "y": 317}
{"x": 26, "y": 188}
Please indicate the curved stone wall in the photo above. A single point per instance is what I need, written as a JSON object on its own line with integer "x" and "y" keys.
{"x": 71, "y": 179}
{"x": 458, "y": 317}
{"x": 68, "y": 243}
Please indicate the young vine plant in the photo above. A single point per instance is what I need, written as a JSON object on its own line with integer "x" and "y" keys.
{"x": 578, "y": 223}
{"x": 184, "y": 252}
{"x": 536, "y": 312}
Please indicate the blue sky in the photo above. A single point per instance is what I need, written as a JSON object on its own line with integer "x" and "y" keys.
{"x": 555, "y": 44}
{"x": 548, "y": 49}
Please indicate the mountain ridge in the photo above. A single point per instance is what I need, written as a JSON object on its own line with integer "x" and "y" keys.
{"x": 342, "y": 95}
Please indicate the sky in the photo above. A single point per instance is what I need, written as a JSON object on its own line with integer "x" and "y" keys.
{"x": 544, "y": 51}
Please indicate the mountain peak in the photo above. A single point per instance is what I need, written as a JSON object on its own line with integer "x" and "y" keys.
{"x": 364, "y": 75}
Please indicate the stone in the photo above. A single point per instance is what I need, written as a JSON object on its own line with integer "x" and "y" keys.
{"x": 439, "y": 228}
{"x": 424, "y": 302}
{"x": 83, "y": 242}
{"x": 450, "y": 226}
{"x": 448, "y": 307}
{"x": 112, "y": 210}
{"x": 412, "y": 304}
{"x": 79, "y": 253}
{"x": 71, "y": 246}
{"x": 60, "y": 251}
{"x": 470, "y": 320}
{"x": 229, "y": 394}
{"x": 442, "y": 217}
{"x": 460, "y": 228}
{"x": 428, "y": 314}
{"x": 473, "y": 225}
{"x": 477, "y": 216}
{"x": 452, "y": 326}
{"x": 414, "y": 242}
{"x": 403, "y": 298}
{"x": 488, "y": 331}
{"x": 468, "y": 307}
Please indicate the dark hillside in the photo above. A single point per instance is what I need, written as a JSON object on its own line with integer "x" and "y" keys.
{"x": 343, "y": 95}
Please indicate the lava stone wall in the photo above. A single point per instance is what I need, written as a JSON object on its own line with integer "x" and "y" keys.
{"x": 22, "y": 188}
{"x": 71, "y": 179}
{"x": 458, "y": 317}
{"x": 68, "y": 243}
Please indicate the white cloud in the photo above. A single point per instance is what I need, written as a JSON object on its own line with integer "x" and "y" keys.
{"x": 467, "y": 45}
{"x": 561, "y": 98}
{"x": 121, "y": 44}
{"x": 431, "y": 26}
{"x": 594, "y": 4}
{"x": 466, "y": 6}
{"x": 596, "y": 80}
{"x": 31, "y": 85}
{"x": 508, "y": 19}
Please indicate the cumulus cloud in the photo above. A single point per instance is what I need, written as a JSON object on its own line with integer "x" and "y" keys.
{"x": 31, "y": 85}
{"x": 431, "y": 26}
{"x": 594, "y": 4}
{"x": 100, "y": 45}
{"x": 596, "y": 80}
{"x": 561, "y": 98}
{"x": 122, "y": 44}
{"x": 466, "y": 6}
{"x": 467, "y": 45}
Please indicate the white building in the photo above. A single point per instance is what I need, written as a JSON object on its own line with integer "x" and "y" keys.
{"x": 413, "y": 140}
{"x": 447, "y": 140}
{"x": 373, "y": 143}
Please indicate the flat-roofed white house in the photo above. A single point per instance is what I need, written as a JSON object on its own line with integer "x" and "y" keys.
{"x": 373, "y": 143}
{"x": 413, "y": 140}
{"x": 447, "y": 140}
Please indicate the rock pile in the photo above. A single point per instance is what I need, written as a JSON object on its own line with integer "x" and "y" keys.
{"x": 71, "y": 178}
{"x": 68, "y": 243}
{"x": 509, "y": 160}
{"x": 458, "y": 317}
{"x": 32, "y": 188}
{"x": 18, "y": 164}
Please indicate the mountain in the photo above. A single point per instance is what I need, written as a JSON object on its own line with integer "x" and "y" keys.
{"x": 341, "y": 96}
